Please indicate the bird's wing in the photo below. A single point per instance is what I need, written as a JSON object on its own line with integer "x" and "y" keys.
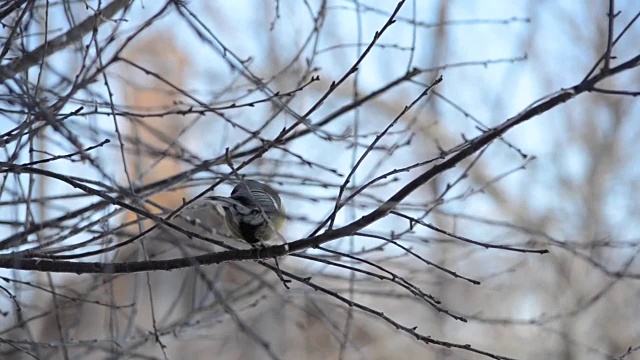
{"x": 226, "y": 202}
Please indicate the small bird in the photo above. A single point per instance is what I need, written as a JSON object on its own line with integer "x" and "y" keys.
{"x": 253, "y": 212}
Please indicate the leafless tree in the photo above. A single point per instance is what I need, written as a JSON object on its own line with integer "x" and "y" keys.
{"x": 459, "y": 179}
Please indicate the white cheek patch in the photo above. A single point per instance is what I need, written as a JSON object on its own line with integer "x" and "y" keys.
{"x": 255, "y": 220}
{"x": 242, "y": 210}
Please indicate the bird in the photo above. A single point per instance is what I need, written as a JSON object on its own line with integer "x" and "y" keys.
{"x": 253, "y": 212}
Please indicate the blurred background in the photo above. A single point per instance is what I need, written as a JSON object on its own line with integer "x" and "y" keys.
{"x": 155, "y": 103}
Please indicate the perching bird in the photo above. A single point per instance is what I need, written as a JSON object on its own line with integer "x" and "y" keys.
{"x": 253, "y": 213}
